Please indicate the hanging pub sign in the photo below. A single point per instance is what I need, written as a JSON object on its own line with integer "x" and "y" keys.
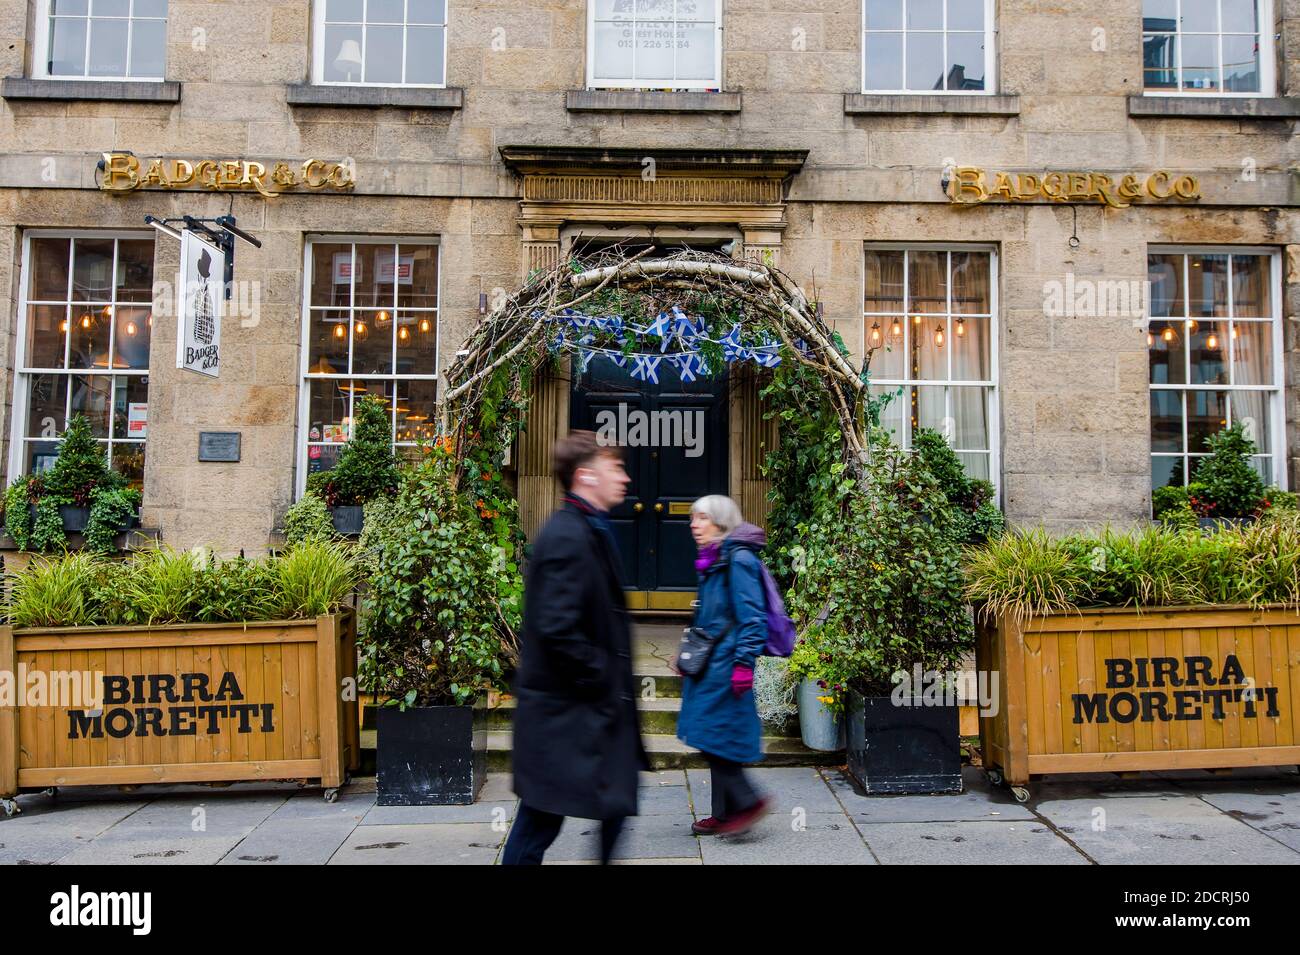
{"x": 200, "y": 285}
{"x": 122, "y": 172}
{"x": 971, "y": 185}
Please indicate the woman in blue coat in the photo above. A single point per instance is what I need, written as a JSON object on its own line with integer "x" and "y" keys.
{"x": 718, "y": 715}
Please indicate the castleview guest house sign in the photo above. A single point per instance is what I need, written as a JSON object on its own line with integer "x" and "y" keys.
{"x": 122, "y": 172}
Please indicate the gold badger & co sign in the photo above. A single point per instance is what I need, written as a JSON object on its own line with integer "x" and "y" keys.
{"x": 123, "y": 172}
{"x": 971, "y": 185}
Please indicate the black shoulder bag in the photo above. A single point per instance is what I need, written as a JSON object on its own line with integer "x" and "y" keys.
{"x": 697, "y": 644}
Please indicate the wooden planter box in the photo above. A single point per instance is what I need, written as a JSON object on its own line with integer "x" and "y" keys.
{"x": 185, "y": 703}
{"x": 1114, "y": 690}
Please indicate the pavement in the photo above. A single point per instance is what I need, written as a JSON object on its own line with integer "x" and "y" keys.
{"x": 1190, "y": 818}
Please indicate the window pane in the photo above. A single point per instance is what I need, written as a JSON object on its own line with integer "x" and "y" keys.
{"x": 131, "y": 337}
{"x": 90, "y": 327}
{"x": 41, "y": 456}
{"x": 128, "y": 461}
{"x": 884, "y": 14}
{"x": 47, "y": 405}
{"x": 1159, "y": 14}
{"x": 970, "y": 411}
{"x": 110, "y": 8}
{"x": 49, "y": 270}
{"x": 69, "y": 8}
{"x": 1165, "y": 273}
{"x": 1200, "y": 16}
{"x": 978, "y": 466}
{"x": 970, "y": 350}
{"x": 416, "y": 417}
{"x": 1250, "y": 408}
{"x": 342, "y": 54}
{"x": 148, "y": 47}
{"x": 1200, "y": 62}
{"x": 417, "y": 343}
{"x": 384, "y": 11}
{"x": 965, "y": 14}
{"x": 331, "y": 273}
{"x": 417, "y": 285}
{"x": 928, "y": 411}
{"x": 67, "y": 48}
{"x": 928, "y": 281}
{"x": 925, "y": 14}
{"x": 893, "y": 419}
{"x": 1158, "y": 59}
{"x": 929, "y": 359}
{"x": 1250, "y": 287}
{"x": 1207, "y": 279}
{"x": 149, "y": 8}
{"x": 92, "y": 396}
{"x": 108, "y": 47}
{"x": 372, "y": 342}
{"x": 329, "y": 409}
{"x": 965, "y": 67}
{"x": 1207, "y": 414}
{"x": 375, "y": 272}
{"x": 1166, "y": 421}
{"x": 925, "y": 67}
{"x": 135, "y": 270}
{"x": 131, "y": 407}
{"x": 424, "y": 46}
{"x": 383, "y": 54}
{"x": 322, "y": 457}
{"x": 887, "y": 361}
{"x": 1252, "y": 353}
{"x": 613, "y": 42}
{"x": 327, "y": 337}
{"x": 92, "y": 270}
{"x": 1166, "y": 472}
{"x": 695, "y": 51}
{"x": 884, "y": 282}
{"x": 1209, "y": 353}
{"x": 46, "y": 327}
{"x": 1241, "y": 64}
{"x": 884, "y": 61}
{"x": 1168, "y": 352}
{"x": 1239, "y": 16}
{"x": 699, "y": 10}
{"x": 343, "y": 11}
{"x": 426, "y": 11}
{"x": 970, "y": 283}
{"x": 654, "y": 51}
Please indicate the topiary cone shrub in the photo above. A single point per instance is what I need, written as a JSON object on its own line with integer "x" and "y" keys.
{"x": 367, "y": 467}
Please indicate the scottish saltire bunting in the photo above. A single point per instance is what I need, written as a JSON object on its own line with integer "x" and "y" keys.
{"x": 646, "y": 368}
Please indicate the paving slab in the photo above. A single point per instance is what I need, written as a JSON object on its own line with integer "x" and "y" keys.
{"x": 1272, "y": 809}
{"x": 465, "y": 843}
{"x": 1161, "y": 829}
{"x": 815, "y": 838}
{"x": 969, "y": 843}
{"x": 485, "y": 810}
{"x": 790, "y": 788}
{"x": 292, "y": 842}
{"x": 643, "y": 837}
{"x": 978, "y": 803}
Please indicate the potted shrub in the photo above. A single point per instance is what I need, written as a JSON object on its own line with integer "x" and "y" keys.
{"x": 440, "y": 620}
{"x": 366, "y": 469}
{"x": 79, "y": 494}
{"x": 881, "y": 594}
{"x": 820, "y": 725}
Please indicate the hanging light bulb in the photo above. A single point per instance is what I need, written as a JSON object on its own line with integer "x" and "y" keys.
{"x": 85, "y": 320}
{"x": 1168, "y": 334}
{"x": 108, "y": 311}
{"x": 896, "y": 329}
{"x": 403, "y": 334}
{"x": 340, "y": 331}
{"x": 1192, "y": 325}
{"x": 381, "y": 318}
{"x": 424, "y": 324}
{"x": 875, "y": 335}
{"x": 1212, "y": 342}
{"x": 63, "y": 326}
{"x": 938, "y": 336}
{"x": 961, "y": 327}
{"x": 916, "y": 319}
{"x": 1234, "y": 332}
{"x": 359, "y": 330}
{"x": 130, "y": 328}
{"x": 1151, "y": 339}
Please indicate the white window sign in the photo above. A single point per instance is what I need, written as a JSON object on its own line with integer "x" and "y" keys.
{"x": 202, "y": 276}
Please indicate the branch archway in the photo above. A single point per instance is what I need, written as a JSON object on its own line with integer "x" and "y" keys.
{"x": 499, "y": 362}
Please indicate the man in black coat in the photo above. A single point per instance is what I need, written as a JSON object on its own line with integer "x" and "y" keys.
{"x": 577, "y": 741}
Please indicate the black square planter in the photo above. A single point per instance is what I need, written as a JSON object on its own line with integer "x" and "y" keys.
{"x": 430, "y": 755}
{"x": 894, "y": 750}
{"x": 348, "y": 520}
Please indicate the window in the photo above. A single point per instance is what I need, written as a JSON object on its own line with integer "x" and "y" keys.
{"x": 927, "y": 46}
{"x": 928, "y": 319}
{"x": 381, "y": 42}
{"x": 370, "y": 327}
{"x": 83, "y": 347}
{"x": 101, "y": 39}
{"x": 1224, "y": 47}
{"x": 1215, "y": 340}
{"x": 654, "y": 44}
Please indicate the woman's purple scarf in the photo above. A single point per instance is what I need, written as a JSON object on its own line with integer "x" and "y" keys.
{"x": 709, "y": 554}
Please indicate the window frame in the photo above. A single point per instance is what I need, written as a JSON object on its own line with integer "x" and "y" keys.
{"x": 992, "y": 384}
{"x": 318, "y": 51}
{"x": 21, "y": 392}
{"x": 636, "y": 83}
{"x": 1267, "y": 58}
{"x": 990, "y": 55}
{"x": 304, "y": 345}
{"x": 1277, "y": 390}
{"x": 41, "y": 49}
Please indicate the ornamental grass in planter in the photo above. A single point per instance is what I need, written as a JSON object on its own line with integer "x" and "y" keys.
{"x": 440, "y": 621}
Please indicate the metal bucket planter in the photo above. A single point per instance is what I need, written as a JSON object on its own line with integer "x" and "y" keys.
{"x": 348, "y": 520}
{"x": 893, "y": 750}
{"x": 431, "y": 755}
{"x": 821, "y": 729}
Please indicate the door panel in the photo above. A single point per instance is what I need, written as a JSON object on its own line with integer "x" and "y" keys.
{"x": 675, "y": 440}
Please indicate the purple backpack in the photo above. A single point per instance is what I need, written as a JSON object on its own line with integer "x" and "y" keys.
{"x": 780, "y": 628}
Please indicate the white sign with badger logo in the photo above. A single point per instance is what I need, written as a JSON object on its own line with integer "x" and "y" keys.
{"x": 201, "y": 285}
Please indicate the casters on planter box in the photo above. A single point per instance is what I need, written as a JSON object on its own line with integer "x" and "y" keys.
{"x": 993, "y": 776}
{"x": 1021, "y": 793}
{"x": 10, "y": 806}
{"x": 331, "y": 795}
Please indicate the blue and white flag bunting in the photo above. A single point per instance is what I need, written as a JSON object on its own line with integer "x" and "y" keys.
{"x": 646, "y": 368}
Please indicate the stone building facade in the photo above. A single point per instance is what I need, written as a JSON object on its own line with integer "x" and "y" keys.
{"x": 783, "y": 132}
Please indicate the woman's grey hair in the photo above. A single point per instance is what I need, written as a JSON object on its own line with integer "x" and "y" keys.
{"x": 722, "y": 510}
